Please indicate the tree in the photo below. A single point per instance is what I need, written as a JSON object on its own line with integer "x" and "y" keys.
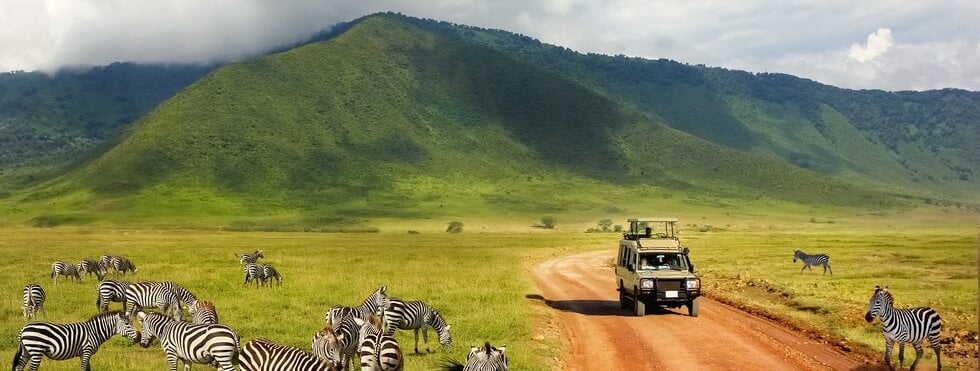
{"x": 605, "y": 224}
{"x": 548, "y": 222}
{"x": 455, "y": 227}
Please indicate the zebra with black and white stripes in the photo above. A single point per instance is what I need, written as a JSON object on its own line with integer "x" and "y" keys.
{"x": 207, "y": 344}
{"x": 60, "y": 268}
{"x": 121, "y": 264}
{"x": 326, "y": 346}
{"x": 33, "y": 300}
{"x": 418, "y": 316}
{"x": 348, "y": 333}
{"x": 249, "y": 258}
{"x": 379, "y": 352}
{"x": 269, "y": 273}
{"x": 183, "y": 294}
{"x": 904, "y": 326}
{"x": 266, "y": 355}
{"x": 811, "y": 260}
{"x": 486, "y": 358}
{"x": 66, "y": 341}
{"x": 204, "y": 313}
{"x": 254, "y": 273}
{"x": 91, "y": 266}
{"x": 152, "y": 294}
{"x": 111, "y": 290}
{"x": 374, "y": 302}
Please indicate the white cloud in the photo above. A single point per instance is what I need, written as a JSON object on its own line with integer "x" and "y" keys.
{"x": 878, "y": 43}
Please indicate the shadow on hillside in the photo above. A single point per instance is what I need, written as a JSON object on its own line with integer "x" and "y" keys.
{"x": 591, "y": 307}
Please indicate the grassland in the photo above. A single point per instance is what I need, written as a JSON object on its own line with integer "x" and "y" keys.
{"x": 479, "y": 279}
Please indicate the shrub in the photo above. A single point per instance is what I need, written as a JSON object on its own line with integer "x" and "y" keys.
{"x": 548, "y": 222}
{"x": 455, "y": 227}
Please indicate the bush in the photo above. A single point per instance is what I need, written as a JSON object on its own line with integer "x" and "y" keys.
{"x": 548, "y": 222}
{"x": 455, "y": 227}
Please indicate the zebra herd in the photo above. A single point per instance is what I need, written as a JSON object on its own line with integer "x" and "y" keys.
{"x": 365, "y": 332}
{"x": 902, "y": 326}
{"x": 258, "y": 273}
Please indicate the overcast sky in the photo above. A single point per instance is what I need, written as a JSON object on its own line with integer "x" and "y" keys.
{"x": 883, "y": 44}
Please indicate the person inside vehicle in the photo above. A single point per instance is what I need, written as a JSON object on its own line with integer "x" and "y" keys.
{"x": 645, "y": 264}
{"x": 648, "y": 232}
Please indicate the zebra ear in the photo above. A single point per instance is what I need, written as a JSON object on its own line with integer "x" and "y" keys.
{"x": 503, "y": 348}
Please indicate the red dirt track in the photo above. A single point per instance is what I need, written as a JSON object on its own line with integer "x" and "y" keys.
{"x": 598, "y": 335}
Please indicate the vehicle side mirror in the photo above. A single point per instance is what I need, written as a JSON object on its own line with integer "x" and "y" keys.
{"x": 686, "y": 250}
{"x": 692, "y": 268}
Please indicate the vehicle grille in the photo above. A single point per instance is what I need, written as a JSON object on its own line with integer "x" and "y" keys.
{"x": 665, "y": 285}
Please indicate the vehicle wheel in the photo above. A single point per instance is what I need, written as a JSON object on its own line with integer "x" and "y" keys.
{"x": 692, "y": 307}
{"x": 638, "y": 307}
{"x": 622, "y": 299}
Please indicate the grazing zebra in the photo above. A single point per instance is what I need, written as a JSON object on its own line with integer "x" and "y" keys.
{"x": 111, "y": 290}
{"x": 204, "y": 313}
{"x": 811, "y": 260}
{"x": 268, "y": 272}
{"x": 91, "y": 266}
{"x": 379, "y": 352}
{"x": 249, "y": 258}
{"x": 326, "y": 346}
{"x": 121, "y": 264}
{"x": 377, "y": 300}
{"x": 348, "y": 333}
{"x": 33, "y": 300}
{"x": 254, "y": 272}
{"x": 416, "y": 315}
{"x": 60, "y": 268}
{"x": 182, "y": 293}
{"x": 208, "y": 344}
{"x": 904, "y": 326}
{"x": 152, "y": 294}
{"x": 265, "y": 355}
{"x": 65, "y": 341}
{"x": 486, "y": 358}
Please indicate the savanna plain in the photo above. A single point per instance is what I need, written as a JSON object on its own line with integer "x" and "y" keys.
{"x": 480, "y": 281}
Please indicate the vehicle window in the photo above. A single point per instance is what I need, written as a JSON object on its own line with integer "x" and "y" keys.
{"x": 661, "y": 261}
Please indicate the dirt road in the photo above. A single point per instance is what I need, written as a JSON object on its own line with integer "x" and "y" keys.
{"x": 598, "y": 335}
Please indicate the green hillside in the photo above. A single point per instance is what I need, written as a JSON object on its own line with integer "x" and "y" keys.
{"x": 390, "y": 120}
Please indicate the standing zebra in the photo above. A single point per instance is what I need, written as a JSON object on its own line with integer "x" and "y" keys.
{"x": 91, "y": 266}
{"x": 377, "y": 300}
{"x": 326, "y": 346}
{"x": 416, "y": 315}
{"x": 268, "y": 272}
{"x": 65, "y": 341}
{"x": 152, "y": 294}
{"x": 811, "y": 260}
{"x": 249, "y": 258}
{"x": 904, "y": 326}
{"x": 60, "y": 268}
{"x": 121, "y": 264}
{"x": 348, "y": 333}
{"x": 265, "y": 355}
{"x": 106, "y": 260}
{"x": 33, "y": 300}
{"x": 486, "y": 358}
{"x": 111, "y": 290}
{"x": 183, "y": 294}
{"x": 254, "y": 272}
{"x": 190, "y": 343}
{"x": 379, "y": 352}
{"x": 204, "y": 313}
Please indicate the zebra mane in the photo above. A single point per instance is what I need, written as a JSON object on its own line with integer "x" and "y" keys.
{"x": 107, "y": 314}
{"x": 886, "y": 295}
{"x": 438, "y": 323}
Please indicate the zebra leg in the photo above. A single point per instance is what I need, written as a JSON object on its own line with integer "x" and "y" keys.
{"x": 35, "y": 361}
{"x": 86, "y": 358}
{"x": 918, "y": 355}
{"x": 425, "y": 337}
{"x": 417, "y": 340}
{"x": 172, "y": 360}
{"x": 803, "y": 269}
{"x": 831, "y": 269}
{"x": 901, "y": 355}
{"x": 888, "y": 352}
{"x": 934, "y": 341}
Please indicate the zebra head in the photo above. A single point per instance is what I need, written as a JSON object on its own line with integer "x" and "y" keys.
{"x": 796, "y": 255}
{"x": 487, "y": 358}
{"x": 326, "y": 346}
{"x": 378, "y": 299}
{"x": 440, "y": 325}
{"x": 880, "y": 300}
{"x": 151, "y": 327}
{"x": 124, "y": 327}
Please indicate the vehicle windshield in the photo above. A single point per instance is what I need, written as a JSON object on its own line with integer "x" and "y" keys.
{"x": 662, "y": 261}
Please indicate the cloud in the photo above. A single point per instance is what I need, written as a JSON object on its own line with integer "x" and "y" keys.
{"x": 878, "y": 43}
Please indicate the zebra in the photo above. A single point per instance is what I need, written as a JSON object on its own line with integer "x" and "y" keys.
{"x": 377, "y": 300}
{"x": 60, "y": 268}
{"x": 66, "y": 341}
{"x": 121, "y": 264}
{"x": 348, "y": 333}
{"x": 268, "y": 272}
{"x": 810, "y": 260}
{"x": 33, "y": 300}
{"x": 254, "y": 272}
{"x": 486, "y": 358}
{"x": 152, "y": 294}
{"x": 326, "y": 346}
{"x": 183, "y": 294}
{"x": 904, "y": 326}
{"x": 249, "y": 258}
{"x": 379, "y": 352}
{"x": 111, "y": 290}
{"x": 204, "y": 313}
{"x": 265, "y": 355}
{"x": 416, "y": 315}
{"x": 106, "y": 260}
{"x": 215, "y": 345}
{"x": 91, "y": 266}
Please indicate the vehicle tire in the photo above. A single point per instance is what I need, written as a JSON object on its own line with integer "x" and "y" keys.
{"x": 622, "y": 299}
{"x": 638, "y": 307}
{"x": 692, "y": 307}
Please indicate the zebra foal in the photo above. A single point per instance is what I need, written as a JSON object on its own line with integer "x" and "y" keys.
{"x": 811, "y": 260}
{"x": 190, "y": 343}
{"x": 266, "y": 355}
{"x": 60, "y": 268}
{"x": 66, "y": 341}
{"x": 418, "y": 316}
{"x": 904, "y": 326}
{"x": 270, "y": 273}
{"x": 204, "y": 313}
{"x": 33, "y": 300}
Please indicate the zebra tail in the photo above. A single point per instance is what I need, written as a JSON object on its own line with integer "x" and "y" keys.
{"x": 452, "y": 365}
{"x": 20, "y": 353}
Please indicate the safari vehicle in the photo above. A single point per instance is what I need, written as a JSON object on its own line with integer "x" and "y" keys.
{"x": 652, "y": 268}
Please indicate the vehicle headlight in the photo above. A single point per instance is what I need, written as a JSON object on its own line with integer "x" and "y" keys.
{"x": 646, "y": 284}
{"x": 693, "y": 284}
